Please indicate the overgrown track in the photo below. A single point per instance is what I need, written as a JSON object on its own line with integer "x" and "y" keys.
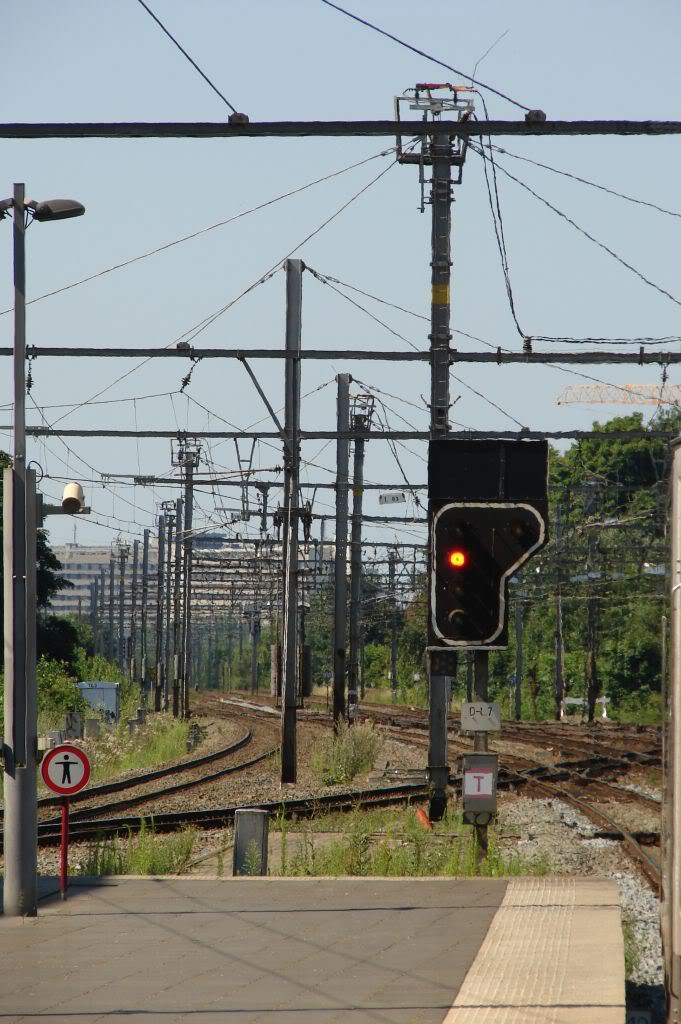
{"x": 141, "y": 779}
{"x": 219, "y": 817}
{"x": 159, "y": 794}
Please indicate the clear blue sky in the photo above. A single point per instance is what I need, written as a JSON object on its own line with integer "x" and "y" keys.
{"x": 83, "y": 60}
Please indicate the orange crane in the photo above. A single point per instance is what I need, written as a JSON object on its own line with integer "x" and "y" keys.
{"x": 620, "y": 394}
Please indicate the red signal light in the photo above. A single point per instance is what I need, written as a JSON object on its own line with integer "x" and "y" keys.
{"x": 457, "y": 558}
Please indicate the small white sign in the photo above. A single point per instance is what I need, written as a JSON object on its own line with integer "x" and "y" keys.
{"x": 479, "y": 716}
{"x": 478, "y": 782}
{"x": 394, "y": 498}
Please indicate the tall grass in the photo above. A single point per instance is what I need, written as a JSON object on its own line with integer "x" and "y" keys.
{"x": 405, "y": 849}
{"x": 162, "y": 739}
{"x": 351, "y": 751}
{"x": 143, "y": 854}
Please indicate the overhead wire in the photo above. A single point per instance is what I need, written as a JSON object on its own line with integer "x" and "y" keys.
{"x": 206, "y": 230}
{"x": 601, "y": 245}
{"x": 422, "y": 53}
{"x": 585, "y": 181}
{"x": 184, "y": 52}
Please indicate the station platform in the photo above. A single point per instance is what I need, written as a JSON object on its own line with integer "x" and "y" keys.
{"x": 316, "y": 951}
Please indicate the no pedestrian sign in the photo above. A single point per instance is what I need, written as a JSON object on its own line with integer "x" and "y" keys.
{"x": 65, "y": 769}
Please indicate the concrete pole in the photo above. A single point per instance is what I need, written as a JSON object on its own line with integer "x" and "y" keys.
{"x": 187, "y": 603}
{"x": 289, "y": 659}
{"x": 392, "y": 554}
{"x": 440, "y": 337}
{"x": 111, "y": 644}
{"x": 177, "y": 593}
{"x": 518, "y": 655}
{"x": 359, "y": 422}
{"x": 133, "y": 610}
{"x": 144, "y": 681}
{"x": 20, "y": 887}
{"x": 158, "y": 687}
{"x": 167, "y": 599}
{"x": 340, "y": 564}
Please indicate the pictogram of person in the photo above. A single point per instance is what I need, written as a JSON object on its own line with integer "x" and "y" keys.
{"x": 65, "y": 770}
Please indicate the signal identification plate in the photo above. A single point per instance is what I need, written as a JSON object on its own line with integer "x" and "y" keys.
{"x": 479, "y": 716}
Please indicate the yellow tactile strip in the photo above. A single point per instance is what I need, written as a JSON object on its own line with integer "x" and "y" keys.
{"x": 554, "y": 954}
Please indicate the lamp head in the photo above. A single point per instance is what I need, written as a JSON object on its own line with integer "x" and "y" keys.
{"x": 56, "y": 209}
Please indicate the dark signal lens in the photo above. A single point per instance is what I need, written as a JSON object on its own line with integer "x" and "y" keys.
{"x": 456, "y": 558}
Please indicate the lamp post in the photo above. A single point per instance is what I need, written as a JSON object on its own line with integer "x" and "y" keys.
{"x": 20, "y": 889}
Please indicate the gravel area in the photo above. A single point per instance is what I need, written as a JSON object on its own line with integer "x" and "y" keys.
{"x": 557, "y": 830}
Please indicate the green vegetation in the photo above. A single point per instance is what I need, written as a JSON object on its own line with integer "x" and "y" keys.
{"x": 162, "y": 739}
{"x": 396, "y": 844}
{"x": 352, "y": 750}
{"x": 143, "y": 854}
{"x": 632, "y": 952}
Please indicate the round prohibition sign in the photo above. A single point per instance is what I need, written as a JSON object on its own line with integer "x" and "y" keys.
{"x": 65, "y": 769}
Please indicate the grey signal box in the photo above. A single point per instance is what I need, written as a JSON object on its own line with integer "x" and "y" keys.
{"x": 479, "y": 788}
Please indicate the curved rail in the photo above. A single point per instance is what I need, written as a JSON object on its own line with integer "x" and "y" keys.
{"x": 158, "y": 794}
{"x": 173, "y": 768}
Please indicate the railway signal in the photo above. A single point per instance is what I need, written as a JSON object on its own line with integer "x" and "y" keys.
{"x": 488, "y": 516}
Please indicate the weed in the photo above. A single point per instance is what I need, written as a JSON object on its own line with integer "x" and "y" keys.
{"x": 403, "y": 848}
{"x": 163, "y": 739}
{"x": 352, "y": 750}
{"x": 252, "y": 860}
{"x": 143, "y": 854}
{"x": 632, "y": 953}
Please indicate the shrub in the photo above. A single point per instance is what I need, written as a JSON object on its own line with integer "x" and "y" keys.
{"x": 349, "y": 752}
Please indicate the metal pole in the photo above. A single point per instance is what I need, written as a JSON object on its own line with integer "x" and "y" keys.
{"x": 158, "y": 687}
{"x": 94, "y": 620}
{"x": 255, "y": 637}
{"x": 356, "y": 561}
{"x": 133, "y": 611}
{"x": 518, "y": 655}
{"x": 559, "y": 672}
{"x": 392, "y": 554}
{"x": 111, "y": 609}
{"x": 177, "y": 632}
{"x": 121, "y": 611}
{"x": 167, "y": 599}
{"x": 289, "y": 661}
{"x": 187, "y": 607}
{"x": 671, "y": 831}
{"x": 341, "y": 555}
{"x": 144, "y": 681}
{"x": 480, "y": 744}
{"x": 440, "y": 337}
{"x": 102, "y": 587}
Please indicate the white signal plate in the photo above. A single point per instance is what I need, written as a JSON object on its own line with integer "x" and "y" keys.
{"x": 479, "y": 716}
{"x": 396, "y": 498}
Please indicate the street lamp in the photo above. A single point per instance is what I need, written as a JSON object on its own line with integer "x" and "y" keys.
{"x": 20, "y": 895}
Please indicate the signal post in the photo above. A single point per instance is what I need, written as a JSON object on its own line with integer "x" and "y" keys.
{"x": 488, "y": 514}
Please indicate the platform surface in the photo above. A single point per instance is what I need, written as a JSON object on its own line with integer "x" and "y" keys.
{"x": 302, "y": 951}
